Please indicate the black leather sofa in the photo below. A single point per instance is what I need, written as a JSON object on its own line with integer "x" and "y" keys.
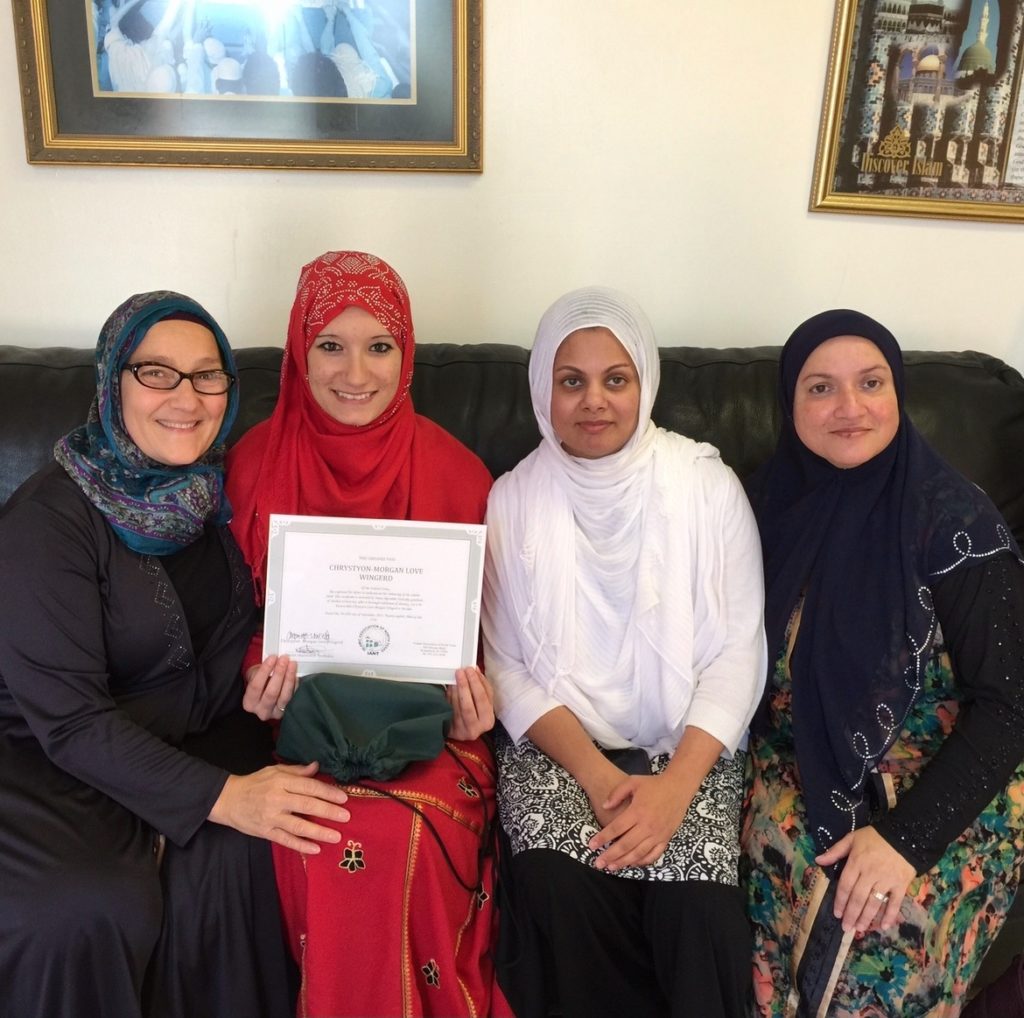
{"x": 970, "y": 406}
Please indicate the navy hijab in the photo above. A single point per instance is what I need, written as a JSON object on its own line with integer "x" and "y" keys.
{"x": 153, "y": 508}
{"x": 863, "y": 545}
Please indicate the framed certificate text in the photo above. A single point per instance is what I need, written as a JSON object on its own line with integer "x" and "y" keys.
{"x": 388, "y": 598}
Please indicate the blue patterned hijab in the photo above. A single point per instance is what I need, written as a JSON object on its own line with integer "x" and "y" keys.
{"x": 863, "y": 546}
{"x": 153, "y": 508}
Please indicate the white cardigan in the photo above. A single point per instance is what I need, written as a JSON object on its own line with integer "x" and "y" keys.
{"x": 689, "y": 650}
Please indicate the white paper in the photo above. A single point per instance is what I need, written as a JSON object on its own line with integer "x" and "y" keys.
{"x": 397, "y": 599}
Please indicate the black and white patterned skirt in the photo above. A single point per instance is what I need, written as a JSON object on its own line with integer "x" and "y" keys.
{"x": 541, "y": 805}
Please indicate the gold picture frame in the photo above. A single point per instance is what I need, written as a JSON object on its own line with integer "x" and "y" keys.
{"x": 922, "y": 113}
{"x": 75, "y": 116}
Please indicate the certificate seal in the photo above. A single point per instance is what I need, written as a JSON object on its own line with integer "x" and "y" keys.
{"x": 374, "y": 639}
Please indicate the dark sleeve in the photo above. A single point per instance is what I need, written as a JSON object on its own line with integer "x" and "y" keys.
{"x": 53, "y": 663}
{"x": 981, "y": 611}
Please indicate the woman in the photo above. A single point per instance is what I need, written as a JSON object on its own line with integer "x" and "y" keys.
{"x": 622, "y": 628}
{"x": 396, "y": 920}
{"x": 884, "y": 826}
{"x": 127, "y": 886}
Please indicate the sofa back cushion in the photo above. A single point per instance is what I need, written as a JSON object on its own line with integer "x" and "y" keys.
{"x": 969, "y": 405}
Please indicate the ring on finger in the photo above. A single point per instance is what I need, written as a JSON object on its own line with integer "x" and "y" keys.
{"x": 279, "y": 708}
{"x": 880, "y": 896}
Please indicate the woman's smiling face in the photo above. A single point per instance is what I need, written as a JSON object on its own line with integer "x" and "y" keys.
{"x": 173, "y": 426}
{"x": 845, "y": 407}
{"x": 354, "y": 367}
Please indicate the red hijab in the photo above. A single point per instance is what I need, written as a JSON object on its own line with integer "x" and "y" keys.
{"x": 303, "y": 462}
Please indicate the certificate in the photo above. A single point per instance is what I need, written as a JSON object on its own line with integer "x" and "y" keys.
{"x": 389, "y": 598}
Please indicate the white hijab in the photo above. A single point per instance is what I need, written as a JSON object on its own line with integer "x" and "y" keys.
{"x": 607, "y": 567}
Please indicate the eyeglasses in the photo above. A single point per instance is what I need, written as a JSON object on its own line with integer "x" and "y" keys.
{"x": 159, "y": 376}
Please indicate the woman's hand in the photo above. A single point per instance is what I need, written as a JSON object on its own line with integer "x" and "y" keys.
{"x": 472, "y": 703}
{"x": 269, "y": 686}
{"x": 875, "y": 874}
{"x": 277, "y": 803}
{"x": 601, "y": 782}
{"x": 640, "y": 833}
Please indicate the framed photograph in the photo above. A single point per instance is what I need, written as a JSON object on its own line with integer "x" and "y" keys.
{"x": 923, "y": 113}
{"x": 275, "y": 84}
{"x": 392, "y": 599}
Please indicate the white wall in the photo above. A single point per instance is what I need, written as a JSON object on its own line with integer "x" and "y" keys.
{"x": 664, "y": 147}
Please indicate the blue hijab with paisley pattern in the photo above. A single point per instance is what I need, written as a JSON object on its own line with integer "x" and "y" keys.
{"x": 153, "y": 508}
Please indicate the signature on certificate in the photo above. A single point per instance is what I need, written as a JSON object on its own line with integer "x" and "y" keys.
{"x": 292, "y": 637}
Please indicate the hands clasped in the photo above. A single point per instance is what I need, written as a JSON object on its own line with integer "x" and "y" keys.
{"x": 282, "y": 803}
{"x": 649, "y": 811}
{"x": 875, "y": 875}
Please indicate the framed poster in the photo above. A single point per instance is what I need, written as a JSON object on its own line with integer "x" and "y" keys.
{"x": 276, "y": 84}
{"x": 922, "y": 113}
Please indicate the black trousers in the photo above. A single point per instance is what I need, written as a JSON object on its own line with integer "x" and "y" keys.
{"x": 589, "y": 944}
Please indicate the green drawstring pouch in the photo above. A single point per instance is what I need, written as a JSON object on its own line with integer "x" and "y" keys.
{"x": 358, "y": 727}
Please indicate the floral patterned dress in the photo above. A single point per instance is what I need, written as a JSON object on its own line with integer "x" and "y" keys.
{"x": 922, "y": 965}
